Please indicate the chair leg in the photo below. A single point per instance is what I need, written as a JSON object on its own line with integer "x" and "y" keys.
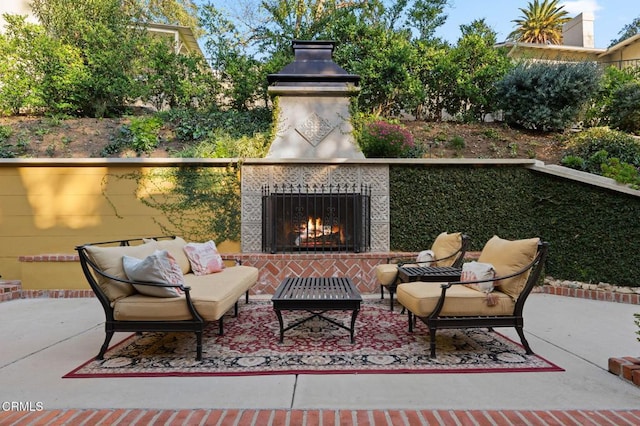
{"x": 381, "y": 291}
{"x": 199, "y": 345}
{"x": 246, "y": 297}
{"x": 411, "y": 322}
{"x": 220, "y": 326}
{"x": 235, "y": 309}
{"x": 527, "y": 348}
{"x": 432, "y": 341}
{"x": 105, "y": 345}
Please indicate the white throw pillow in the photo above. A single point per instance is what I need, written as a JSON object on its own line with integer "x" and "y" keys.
{"x": 473, "y": 271}
{"x": 425, "y": 258}
{"x": 204, "y": 258}
{"x": 160, "y": 267}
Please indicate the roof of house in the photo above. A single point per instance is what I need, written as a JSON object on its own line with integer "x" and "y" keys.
{"x": 185, "y": 33}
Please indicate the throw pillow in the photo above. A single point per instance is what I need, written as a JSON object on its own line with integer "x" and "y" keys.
{"x": 425, "y": 258}
{"x": 160, "y": 267}
{"x": 476, "y": 271}
{"x": 204, "y": 258}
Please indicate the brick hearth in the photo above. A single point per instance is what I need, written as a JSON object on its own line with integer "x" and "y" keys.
{"x": 360, "y": 267}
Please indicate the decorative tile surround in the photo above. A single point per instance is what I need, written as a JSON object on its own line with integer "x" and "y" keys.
{"x": 254, "y": 177}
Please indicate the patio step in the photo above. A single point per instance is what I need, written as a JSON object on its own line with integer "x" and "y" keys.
{"x": 628, "y": 368}
{"x": 283, "y": 417}
{"x": 10, "y": 290}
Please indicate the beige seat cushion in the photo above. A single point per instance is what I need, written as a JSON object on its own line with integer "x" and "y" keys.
{"x": 386, "y": 273}
{"x": 176, "y": 248}
{"x": 109, "y": 260}
{"x": 508, "y": 257}
{"x": 212, "y": 296}
{"x": 421, "y": 299}
{"x": 445, "y": 245}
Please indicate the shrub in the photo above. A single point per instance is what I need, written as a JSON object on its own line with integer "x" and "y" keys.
{"x": 624, "y": 109}
{"x": 546, "y": 96}
{"x": 380, "y": 139}
{"x": 141, "y": 135}
{"x": 623, "y": 173}
{"x": 589, "y": 145}
{"x": 612, "y": 80}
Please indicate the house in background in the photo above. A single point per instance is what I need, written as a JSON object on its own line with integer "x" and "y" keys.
{"x": 182, "y": 37}
{"x": 578, "y": 45}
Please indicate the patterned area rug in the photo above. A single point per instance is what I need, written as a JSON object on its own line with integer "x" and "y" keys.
{"x": 250, "y": 346}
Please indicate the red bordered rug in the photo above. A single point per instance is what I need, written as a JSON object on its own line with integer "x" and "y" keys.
{"x": 250, "y": 346}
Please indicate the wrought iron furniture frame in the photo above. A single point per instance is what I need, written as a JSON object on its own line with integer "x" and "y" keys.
{"x": 196, "y": 324}
{"x": 317, "y": 296}
{"x": 435, "y": 322}
{"x": 434, "y": 271}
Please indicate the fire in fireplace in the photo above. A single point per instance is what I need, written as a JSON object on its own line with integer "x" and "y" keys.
{"x": 317, "y": 218}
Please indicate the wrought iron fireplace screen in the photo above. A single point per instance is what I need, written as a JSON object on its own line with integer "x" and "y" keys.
{"x": 299, "y": 218}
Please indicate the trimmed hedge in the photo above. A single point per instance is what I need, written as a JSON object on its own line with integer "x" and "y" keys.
{"x": 593, "y": 231}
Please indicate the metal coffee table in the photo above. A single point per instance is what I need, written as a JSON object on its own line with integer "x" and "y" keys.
{"x": 317, "y": 296}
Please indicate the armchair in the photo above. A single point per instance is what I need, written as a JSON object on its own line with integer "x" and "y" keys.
{"x": 518, "y": 265}
{"x": 448, "y": 249}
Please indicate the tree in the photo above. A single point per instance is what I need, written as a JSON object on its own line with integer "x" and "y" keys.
{"x": 541, "y": 23}
{"x": 109, "y": 38}
{"x": 627, "y": 31}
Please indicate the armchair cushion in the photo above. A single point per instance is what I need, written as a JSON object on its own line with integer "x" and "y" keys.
{"x": 508, "y": 257}
{"x": 421, "y": 299}
{"x": 386, "y": 273}
{"x": 445, "y": 245}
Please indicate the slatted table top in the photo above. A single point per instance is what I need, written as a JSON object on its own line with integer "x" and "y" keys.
{"x": 429, "y": 273}
{"x": 316, "y": 293}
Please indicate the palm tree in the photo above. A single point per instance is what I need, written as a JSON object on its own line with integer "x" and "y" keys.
{"x": 541, "y": 23}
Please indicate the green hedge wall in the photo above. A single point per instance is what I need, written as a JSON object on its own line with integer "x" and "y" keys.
{"x": 594, "y": 232}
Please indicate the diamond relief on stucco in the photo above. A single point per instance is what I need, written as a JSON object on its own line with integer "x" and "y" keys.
{"x": 314, "y": 129}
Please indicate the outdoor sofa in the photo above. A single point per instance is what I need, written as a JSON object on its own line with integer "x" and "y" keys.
{"x": 161, "y": 305}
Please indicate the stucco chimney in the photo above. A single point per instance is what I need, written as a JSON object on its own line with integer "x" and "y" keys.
{"x": 579, "y": 31}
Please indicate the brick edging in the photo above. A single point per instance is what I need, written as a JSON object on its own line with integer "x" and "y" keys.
{"x": 628, "y": 368}
{"x": 607, "y": 296}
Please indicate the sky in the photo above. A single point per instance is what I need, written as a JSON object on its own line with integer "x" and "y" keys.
{"x": 610, "y": 15}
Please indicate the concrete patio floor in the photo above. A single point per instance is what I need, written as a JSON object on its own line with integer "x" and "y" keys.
{"x": 43, "y": 339}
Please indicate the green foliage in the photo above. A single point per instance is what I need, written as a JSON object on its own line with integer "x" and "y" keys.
{"x": 141, "y": 136}
{"x": 540, "y": 23}
{"x": 627, "y": 31}
{"x": 594, "y": 146}
{"x": 380, "y": 139}
{"x": 584, "y": 224}
{"x": 624, "y": 109}
{"x": 457, "y": 143}
{"x": 613, "y": 78}
{"x": 622, "y": 172}
{"x": 176, "y": 80}
{"x": 546, "y": 96}
{"x": 196, "y": 203}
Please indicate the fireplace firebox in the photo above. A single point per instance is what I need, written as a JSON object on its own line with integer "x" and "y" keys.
{"x": 299, "y": 218}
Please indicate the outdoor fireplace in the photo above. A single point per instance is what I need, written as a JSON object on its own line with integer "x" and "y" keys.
{"x": 300, "y": 218}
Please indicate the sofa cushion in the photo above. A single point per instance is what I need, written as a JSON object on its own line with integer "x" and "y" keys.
{"x": 212, "y": 295}
{"x": 158, "y": 267}
{"x": 204, "y": 258}
{"x": 508, "y": 257}
{"x": 215, "y": 294}
{"x": 175, "y": 247}
{"x": 421, "y": 299}
{"x": 445, "y": 245}
{"x": 109, "y": 261}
